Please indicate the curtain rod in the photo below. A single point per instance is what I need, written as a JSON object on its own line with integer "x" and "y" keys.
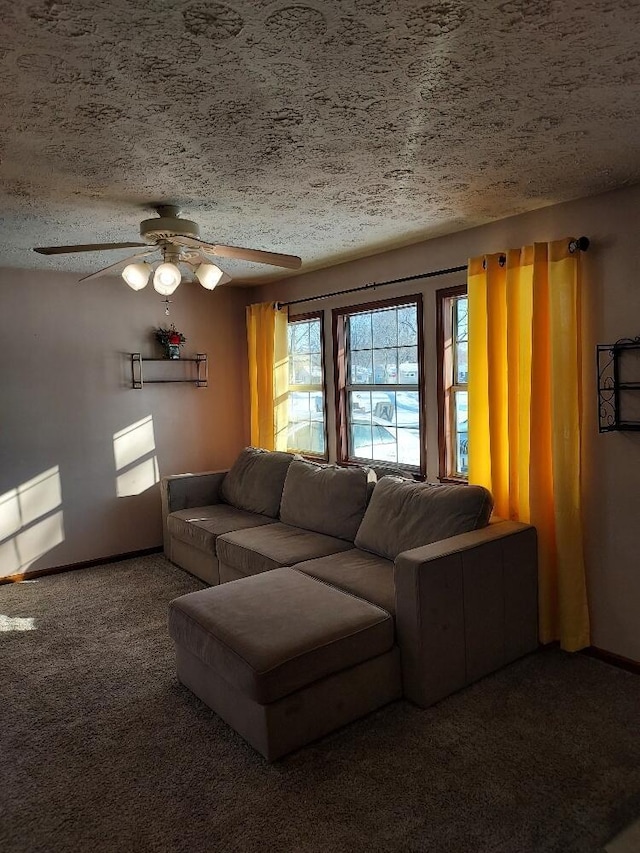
{"x": 579, "y": 245}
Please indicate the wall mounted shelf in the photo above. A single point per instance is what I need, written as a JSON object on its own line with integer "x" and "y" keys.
{"x": 618, "y": 384}
{"x": 197, "y": 367}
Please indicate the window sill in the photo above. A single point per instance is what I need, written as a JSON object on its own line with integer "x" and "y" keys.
{"x": 408, "y": 471}
{"x": 311, "y": 457}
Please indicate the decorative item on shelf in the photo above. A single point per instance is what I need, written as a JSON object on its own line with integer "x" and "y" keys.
{"x": 171, "y": 340}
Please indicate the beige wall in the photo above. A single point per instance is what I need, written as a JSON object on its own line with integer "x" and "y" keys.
{"x": 611, "y": 471}
{"x": 77, "y": 482}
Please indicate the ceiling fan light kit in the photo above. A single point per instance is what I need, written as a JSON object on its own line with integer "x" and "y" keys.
{"x": 137, "y": 275}
{"x": 209, "y": 275}
{"x": 178, "y": 241}
{"x": 166, "y": 278}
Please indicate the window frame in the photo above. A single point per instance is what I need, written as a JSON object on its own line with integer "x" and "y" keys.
{"x": 446, "y": 387}
{"x": 305, "y": 318}
{"x": 342, "y": 387}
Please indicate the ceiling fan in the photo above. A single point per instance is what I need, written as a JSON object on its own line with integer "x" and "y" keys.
{"x": 178, "y": 242}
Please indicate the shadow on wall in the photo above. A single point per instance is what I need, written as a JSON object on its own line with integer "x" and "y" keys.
{"x": 134, "y": 450}
{"x": 31, "y": 522}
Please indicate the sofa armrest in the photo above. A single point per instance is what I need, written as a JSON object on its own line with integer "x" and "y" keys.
{"x": 465, "y": 606}
{"x": 182, "y": 491}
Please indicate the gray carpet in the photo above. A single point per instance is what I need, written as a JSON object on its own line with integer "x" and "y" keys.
{"x": 102, "y": 750}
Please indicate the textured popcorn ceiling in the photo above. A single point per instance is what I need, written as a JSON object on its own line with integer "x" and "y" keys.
{"x": 325, "y": 128}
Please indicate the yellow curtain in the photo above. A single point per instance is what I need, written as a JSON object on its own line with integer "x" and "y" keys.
{"x": 268, "y": 375}
{"x": 525, "y": 401}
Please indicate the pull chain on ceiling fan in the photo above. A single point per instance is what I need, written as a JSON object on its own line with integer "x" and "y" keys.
{"x": 178, "y": 241}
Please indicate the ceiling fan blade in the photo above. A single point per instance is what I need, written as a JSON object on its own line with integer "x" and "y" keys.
{"x": 121, "y": 263}
{"x": 276, "y": 259}
{"x": 256, "y": 255}
{"x": 88, "y": 247}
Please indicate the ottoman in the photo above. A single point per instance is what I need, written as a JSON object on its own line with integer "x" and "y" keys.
{"x": 283, "y": 657}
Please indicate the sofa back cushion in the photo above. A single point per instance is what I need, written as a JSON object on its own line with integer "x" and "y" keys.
{"x": 403, "y": 514}
{"x": 325, "y": 498}
{"x": 256, "y": 479}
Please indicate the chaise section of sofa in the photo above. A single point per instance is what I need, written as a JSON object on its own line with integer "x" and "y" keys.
{"x": 284, "y": 658}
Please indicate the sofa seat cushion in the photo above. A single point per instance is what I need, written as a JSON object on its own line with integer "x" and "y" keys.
{"x": 358, "y": 572}
{"x": 325, "y": 498}
{"x": 261, "y": 549}
{"x": 256, "y": 479}
{"x": 201, "y": 526}
{"x": 403, "y": 515}
{"x": 270, "y": 635}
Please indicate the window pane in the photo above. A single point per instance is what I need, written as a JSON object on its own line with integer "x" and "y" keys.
{"x": 307, "y": 437}
{"x": 315, "y": 369}
{"x": 361, "y": 440}
{"x": 385, "y": 366}
{"x": 384, "y": 407}
{"x": 299, "y": 337}
{"x": 408, "y": 409}
{"x": 359, "y": 404}
{"x": 306, "y": 429}
{"x": 462, "y": 316}
{"x": 453, "y": 368}
{"x": 299, "y": 406}
{"x": 409, "y": 446}
{"x": 461, "y": 364}
{"x": 385, "y": 444}
{"x": 408, "y": 365}
{"x": 461, "y": 429}
{"x": 360, "y": 331}
{"x": 385, "y": 328}
{"x": 297, "y": 371}
{"x": 314, "y": 336}
{"x": 407, "y": 326}
{"x": 360, "y": 368}
{"x": 460, "y": 341}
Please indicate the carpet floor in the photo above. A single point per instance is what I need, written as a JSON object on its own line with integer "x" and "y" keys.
{"x": 101, "y": 749}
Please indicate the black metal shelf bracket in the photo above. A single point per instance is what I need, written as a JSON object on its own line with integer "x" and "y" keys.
{"x": 200, "y": 380}
{"x": 613, "y": 382}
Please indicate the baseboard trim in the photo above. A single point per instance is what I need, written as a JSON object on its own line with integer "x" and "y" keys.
{"x": 613, "y": 659}
{"x": 85, "y": 564}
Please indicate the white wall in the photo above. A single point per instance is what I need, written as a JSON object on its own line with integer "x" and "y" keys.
{"x": 611, "y": 310}
{"x": 76, "y": 481}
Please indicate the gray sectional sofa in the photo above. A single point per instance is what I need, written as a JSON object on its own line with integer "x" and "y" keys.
{"x": 345, "y": 593}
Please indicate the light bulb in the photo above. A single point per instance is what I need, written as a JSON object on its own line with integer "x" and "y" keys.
{"x": 137, "y": 275}
{"x": 209, "y": 275}
{"x": 166, "y": 278}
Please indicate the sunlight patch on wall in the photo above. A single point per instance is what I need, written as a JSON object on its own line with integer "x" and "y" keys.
{"x": 16, "y": 623}
{"x": 134, "y": 450}
{"x": 31, "y": 521}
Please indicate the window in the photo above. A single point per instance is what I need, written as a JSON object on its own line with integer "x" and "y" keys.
{"x": 307, "y": 432}
{"x": 452, "y": 337}
{"x": 378, "y": 359}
